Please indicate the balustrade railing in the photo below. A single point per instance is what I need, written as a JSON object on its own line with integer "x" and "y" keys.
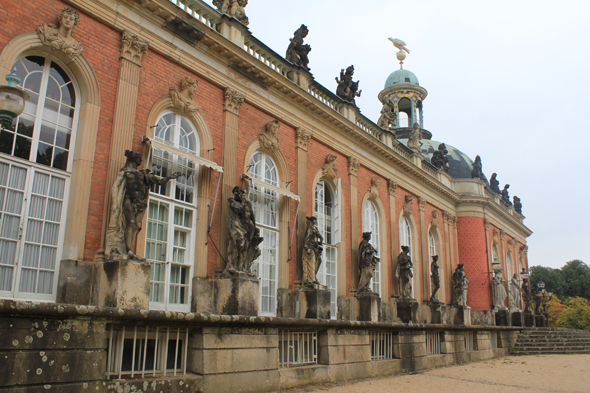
{"x": 200, "y": 11}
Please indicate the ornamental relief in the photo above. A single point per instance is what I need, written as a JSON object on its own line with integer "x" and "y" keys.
{"x": 59, "y": 38}
{"x": 409, "y": 201}
{"x": 182, "y": 99}
{"x": 353, "y": 165}
{"x": 303, "y": 137}
{"x": 373, "y": 191}
{"x": 421, "y": 203}
{"x": 232, "y": 100}
{"x": 329, "y": 170}
{"x": 268, "y": 138}
{"x": 434, "y": 219}
{"x": 133, "y": 48}
{"x": 391, "y": 187}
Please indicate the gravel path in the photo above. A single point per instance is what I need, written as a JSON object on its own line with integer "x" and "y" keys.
{"x": 535, "y": 373}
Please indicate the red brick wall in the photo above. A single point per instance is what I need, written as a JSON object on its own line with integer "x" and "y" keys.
{"x": 473, "y": 254}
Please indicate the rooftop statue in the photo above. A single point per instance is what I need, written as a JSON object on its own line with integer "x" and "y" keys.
{"x": 59, "y": 38}
{"x": 460, "y": 287}
{"x": 297, "y": 52}
{"x": 505, "y": 196}
{"x": 387, "y": 118}
{"x": 311, "y": 257}
{"x": 244, "y": 235}
{"x": 347, "y": 89}
{"x": 517, "y": 204}
{"x": 414, "y": 139}
{"x": 514, "y": 292}
{"x": 367, "y": 263}
{"x": 499, "y": 290}
{"x": 435, "y": 279}
{"x": 525, "y": 290}
{"x": 130, "y": 193}
{"x": 234, "y": 8}
{"x": 404, "y": 272}
{"x": 399, "y": 44}
{"x": 495, "y": 184}
{"x": 477, "y": 172}
{"x": 439, "y": 158}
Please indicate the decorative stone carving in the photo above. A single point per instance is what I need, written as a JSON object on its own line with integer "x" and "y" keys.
{"x": 303, "y": 138}
{"x": 455, "y": 221}
{"x": 311, "y": 257}
{"x": 391, "y": 186}
{"x": 496, "y": 233}
{"x": 486, "y": 224}
{"x": 268, "y": 139}
{"x": 522, "y": 251}
{"x": 414, "y": 139}
{"x": 367, "y": 263}
{"x": 374, "y": 189}
{"x": 133, "y": 48}
{"x": 347, "y": 89}
{"x": 517, "y": 204}
{"x": 233, "y": 8}
{"x": 353, "y": 165}
{"x": 232, "y": 101}
{"x": 244, "y": 235}
{"x": 409, "y": 201}
{"x": 183, "y": 99}
{"x": 297, "y": 51}
{"x": 511, "y": 242}
{"x": 130, "y": 193}
{"x": 60, "y": 38}
{"x": 514, "y": 292}
{"x": 421, "y": 203}
{"x": 404, "y": 272}
{"x": 495, "y": 184}
{"x": 476, "y": 172}
{"x": 460, "y": 286}
{"x": 505, "y": 196}
{"x": 525, "y": 290}
{"x": 439, "y": 158}
{"x": 447, "y": 217}
{"x": 434, "y": 219}
{"x": 387, "y": 118}
{"x": 329, "y": 170}
{"x": 434, "y": 279}
{"x": 499, "y": 290}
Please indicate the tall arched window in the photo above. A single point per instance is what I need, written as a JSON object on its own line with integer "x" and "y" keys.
{"x": 35, "y": 163}
{"x": 371, "y": 224}
{"x": 431, "y": 252}
{"x": 172, "y": 216}
{"x": 265, "y": 205}
{"x": 327, "y": 212}
{"x": 405, "y": 237}
{"x": 508, "y": 267}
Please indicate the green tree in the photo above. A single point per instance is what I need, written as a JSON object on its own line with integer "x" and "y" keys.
{"x": 576, "y": 277}
{"x": 553, "y": 279}
{"x": 576, "y": 315}
{"x": 554, "y": 308}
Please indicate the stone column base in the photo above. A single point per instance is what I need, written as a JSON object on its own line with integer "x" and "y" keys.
{"x": 461, "y": 315}
{"x": 313, "y": 304}
{"x": 407, "y": 310}
{"x": 502, "y": 317}
{"x": 237, "y": 295}
{"x": 529, "y": 319}
{"x": 517, "y": 318}
{"x": 369, "y": 307}
{"x": 124, "y": 284}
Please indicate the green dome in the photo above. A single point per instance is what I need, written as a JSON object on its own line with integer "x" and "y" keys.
{"x": 401, "y": 76}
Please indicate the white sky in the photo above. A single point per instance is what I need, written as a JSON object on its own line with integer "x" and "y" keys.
{"x": 508, "y": 80}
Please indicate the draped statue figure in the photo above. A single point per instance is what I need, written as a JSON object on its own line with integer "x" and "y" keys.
{"x": 499, "y": 290}
{"x": 367, "y": 263}
{"x": 312, "y": 253}
{"x": 404, "y": 272}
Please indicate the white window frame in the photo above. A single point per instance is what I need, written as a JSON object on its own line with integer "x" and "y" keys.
{"x": 264, "y": 274}
{"x": 173, "y": 203}
{"x": 431, "y": 253}
{"x": 371, "y": 224}
{"x": 405, "y": 239}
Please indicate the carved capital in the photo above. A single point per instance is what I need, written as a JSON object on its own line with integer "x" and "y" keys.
{"x": 447, "y": 217}
{"x": 329, "y": 170}
{"x": 455, "y": 221}
{"x": 391, "y": 186}
{"x": 303, "y": 138}
{"x": 496, "y": 232}
{"x": 486, "y": 224}
{"x": 353, "y": 165}
{"x": 511, "y": 242}
{"x": 133, "y": 48}
{"x": 434, "y": 219}
{"x": 523, "y": 250}
{"x": 409, "y": 201}
{"x": 268, "y": 138}
{"x": 374, "y": 189}
{"x": 502, "y": 233}
{"x": 232, "y": 101}
{"x": 421, "y": 203}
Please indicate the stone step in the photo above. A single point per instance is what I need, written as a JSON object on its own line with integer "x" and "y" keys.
{"x": 557, "y": 340}
{"x": 548, "y": 352}
{"x": 552, "y": 347}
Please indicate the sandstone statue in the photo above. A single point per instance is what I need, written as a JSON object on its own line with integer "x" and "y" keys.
{"x": 347, "y": 89}
{"x": 387, "y": 118}
{"x": 404, "y": 272}
{"x": 514, "y": 292}
{"x": 460, "y": 286}
{"x": 495, "y": 184}
{"x": 59, "y": 38}
{"x": 505, "y": 196}
{"x": 244, "y": 235}
{"x": 525, "y": 290}
{"x": 130, "y": 193}
{"x": 311, "y": 257}
{"x": 477, "y": 171}
{"x": 435, "y": 279}
{"x": 234, "y": 8}
{"x": 517, "y": 204}
{"x": 499, "y": 290}
{"x": 367, "y": 264}
{"x": 297, "y": 51}
{"x": 415, "y": 137}
{"x": 439, "y": 158}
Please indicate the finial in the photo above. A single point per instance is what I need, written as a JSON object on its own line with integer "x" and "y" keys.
{"x": 13, "y": 79}
{"x": 401, "y": 45}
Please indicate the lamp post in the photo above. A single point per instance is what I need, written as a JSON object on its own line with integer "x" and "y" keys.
{"x": 12, "y": 100}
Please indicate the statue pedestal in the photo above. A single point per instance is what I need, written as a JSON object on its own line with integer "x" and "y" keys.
{"x": 502, "y": 317}
{"x": 517, "y": 318}
{"x": 124, "y": 284}
{"x": 438, "y": 312}
{"x": 369, "y": 307}
{"x": 236, "y": 295}
{"x": 540, "y": 320}
{"x": 75, "y": 282}
{"x": 407, "y": 310}
{"x": 461, "y": 315}
{"x": 529, "y": 319}
{"x": 313, "y": 303}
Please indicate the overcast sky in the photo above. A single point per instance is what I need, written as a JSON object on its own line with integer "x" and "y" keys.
{"x": 508, "y": 80}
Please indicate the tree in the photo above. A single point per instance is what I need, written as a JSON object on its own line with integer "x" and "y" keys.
{"x": 554, "y": 308}
{"x": 553, "y": 279}
{"x": 576, "y": 277}
{"x": 576, "y": 315}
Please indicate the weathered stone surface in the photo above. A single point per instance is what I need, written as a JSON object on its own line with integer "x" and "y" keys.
{"x": 517, "y": 319}
{"x": 482, "y": 317}
{"x": 75, "y": 281}
{"x": 297, "y": 376}
{"x": 407, "y": 310}
{"x": 203, "y": 295}
{"x": 461, "y": 315}
{"x": 344, "y": 354}
{"x": 124, "y": 284}
{"x": 502, "y": 318}
{"x": 286, "y": 302}
{"x": 540, "y": 321}
{"x": 529, "y": 319}
{"x": 341, "y": 337}
{"x": 388, "y": 312}
{"x": 237, "y": 295}
{"x": 215, "y": 361}
{"x": 368, "y": 308}
{"x": 234, "y": 338}
{"x": 313, "y": 303}
{"x": 258, "y": 381}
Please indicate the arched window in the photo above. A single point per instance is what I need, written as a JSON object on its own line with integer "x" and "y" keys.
{"x": 327, "y": 212}
{"x": 35, "y": 164}
{"x": 508, "y": 267}
{"x": 431, "y": 252}
{"x": 265, "y": 205}
{"x": 172, "y": 216}
{"x": 371, "y": 224}
{"x": 405, "y": 238}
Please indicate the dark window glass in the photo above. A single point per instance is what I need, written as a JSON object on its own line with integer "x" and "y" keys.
{"x": 22, "y": 147}
{"x": 44, "y": 154}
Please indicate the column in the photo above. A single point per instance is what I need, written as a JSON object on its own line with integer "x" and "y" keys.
{"x": 233, "y": 100}
{"x": 132, "y": 50}
{"x": 353, "y": 167}
{"x": 486, "y": 225}
{"x": 303, "y": 138}
{"x": 394, "y": 241}
{"x": 449, "y": 265}
{"x": 424, "y": 243}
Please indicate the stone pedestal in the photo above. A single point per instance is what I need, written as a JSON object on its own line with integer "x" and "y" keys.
{"x": 237, "y": 295}
{"x": 517, "y": 318}
{"x": 369, "y": 305}
{"x": 76, "y": 281}
{"x": 540, "y": 320}
{"x": 124, "y": 284}
{"x": 502, "y": 317}
{"x": 438, "y": 313}
{"x": 461, "y": 315}
{"x": 529, "y": 319}
{"x": 407, "y": 310}
{"x": 313, "y": 304}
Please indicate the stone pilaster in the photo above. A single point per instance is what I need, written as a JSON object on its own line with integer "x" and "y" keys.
{"x": 449, "y": 266}
{"x": 353, "y": 167}
{"x": 424, "y": 266}
{"x": 302, "y": 137}
{"x": 394, "y": 240}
